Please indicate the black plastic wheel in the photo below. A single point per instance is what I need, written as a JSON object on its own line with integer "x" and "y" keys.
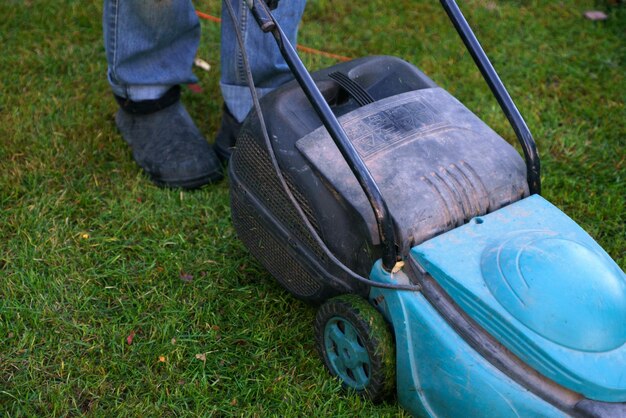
{"x": 357, "y": 345}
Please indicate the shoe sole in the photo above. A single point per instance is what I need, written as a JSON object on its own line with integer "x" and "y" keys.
{"x": 187, "y": 184}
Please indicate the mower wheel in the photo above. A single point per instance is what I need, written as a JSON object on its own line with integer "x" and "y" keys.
{"x": 357, "y": 345}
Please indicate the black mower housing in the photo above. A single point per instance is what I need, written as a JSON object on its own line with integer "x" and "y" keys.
{"x": 436, "y": 164}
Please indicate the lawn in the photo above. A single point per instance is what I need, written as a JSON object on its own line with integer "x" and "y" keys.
{"x": 118, "y": 298}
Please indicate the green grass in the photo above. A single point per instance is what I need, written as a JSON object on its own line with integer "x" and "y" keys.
{"x": 91, "y": 251}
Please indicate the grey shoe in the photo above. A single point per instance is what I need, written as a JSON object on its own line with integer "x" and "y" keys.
{"x": 227, "y": 135}
{"x": 168, "y": 146}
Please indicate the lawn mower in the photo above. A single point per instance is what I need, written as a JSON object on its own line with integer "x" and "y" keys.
{"x": 440, "y": 270}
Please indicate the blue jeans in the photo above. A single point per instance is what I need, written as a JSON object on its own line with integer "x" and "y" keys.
{"x": 150, "y": 46}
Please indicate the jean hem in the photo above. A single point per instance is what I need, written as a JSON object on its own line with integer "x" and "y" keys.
{"x": 239, "y": 100}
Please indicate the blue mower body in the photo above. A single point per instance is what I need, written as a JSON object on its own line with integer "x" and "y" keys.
{"x": 546, "y": 292}
{"x": 498, "y": 303}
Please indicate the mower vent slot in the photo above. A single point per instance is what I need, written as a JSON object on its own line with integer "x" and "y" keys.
{"x": 354, "y": 89}
{"x": 304, "y": 204}
{"x": 255, "y": 169}
{"x": 269, "y": 251}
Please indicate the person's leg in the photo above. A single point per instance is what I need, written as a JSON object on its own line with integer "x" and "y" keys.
{"x": 267, "y": 64}
{"x": 150, "y": 47}
{"x": 268, "y": 67}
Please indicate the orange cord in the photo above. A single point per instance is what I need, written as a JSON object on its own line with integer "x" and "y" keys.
{"x": 323, "y": 53}
{"x": 300, "y": 47}
{"x": 208, "y": 17}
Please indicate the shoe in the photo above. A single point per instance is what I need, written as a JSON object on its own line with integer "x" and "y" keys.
{"x": 227, "y": 136}
{"x": 167, "y": 145}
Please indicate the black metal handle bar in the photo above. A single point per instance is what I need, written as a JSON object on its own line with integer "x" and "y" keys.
{"x": 525, "y": 138}
{"x": 336, "y": 131}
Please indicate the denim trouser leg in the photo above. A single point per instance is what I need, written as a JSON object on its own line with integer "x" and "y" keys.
{"x": 150, "y": 46}
{"x": 269, "y": 70}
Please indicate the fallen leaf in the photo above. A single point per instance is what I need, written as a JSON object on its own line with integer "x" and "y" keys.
{"x": 399, "y": 265}
{"x": 595, "y": 15}
{"x": 84, "y": 236}
{"x": 200, "y": 63}
{"x": 186, "y": 277}
{"x": 131, "y": 336}
{"x": 201, "y": 356}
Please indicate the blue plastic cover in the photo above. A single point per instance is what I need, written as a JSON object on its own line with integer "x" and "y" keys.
{"x": 438, "y": 373}
{"x": 544, "y": 288}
